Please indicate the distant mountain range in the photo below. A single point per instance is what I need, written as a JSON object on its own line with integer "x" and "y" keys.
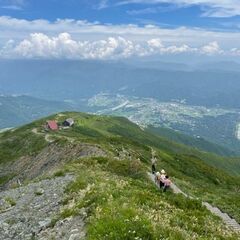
{"x": 59, "y": 80}
{"x": 18, "y": 110}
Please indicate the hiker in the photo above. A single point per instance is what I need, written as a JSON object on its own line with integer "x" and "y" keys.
{"x": 153, "y": 165}
{"x": 167, "y": 183}
{"x": 157, "y": 177}
{"x": 162, "y": 178}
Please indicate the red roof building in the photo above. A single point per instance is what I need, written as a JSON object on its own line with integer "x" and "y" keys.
{"x": 52, "y": 125}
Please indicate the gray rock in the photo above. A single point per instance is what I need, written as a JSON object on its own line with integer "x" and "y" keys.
{"x": 75, "y": 236}
{"x": 74, "y": 231}
{"x": 31, "y": 217}
{"x": 44, "y": 224}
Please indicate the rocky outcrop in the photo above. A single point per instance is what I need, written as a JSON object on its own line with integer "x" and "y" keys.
{"x": 47, "y": 161}
{"x": 27, "y": 212}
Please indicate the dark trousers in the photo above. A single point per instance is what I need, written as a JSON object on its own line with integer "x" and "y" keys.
{"x": 165, "y": 188}
{"x": 153, "y": 168}
{"x": 161, "y": 184}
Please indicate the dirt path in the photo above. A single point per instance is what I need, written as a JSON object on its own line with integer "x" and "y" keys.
{"x": 216, "y": 211}
{"x": 47, "y": 136}
{"x": 34, "y": 130}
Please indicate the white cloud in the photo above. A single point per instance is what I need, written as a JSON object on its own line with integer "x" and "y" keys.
{"x": 211, "y": 8}
{"x": 39, "y": 45}
{"x": 13, "y": 2}
{"x": 211, "y": 48}
{"x": 102, "y": 4}
{"x": 12, "y": 28}
{"x": 67, "y": 38}
{"x": 12, "y": 7}
{"x": 15, "y": 5}
{"x": 235, "y": 51}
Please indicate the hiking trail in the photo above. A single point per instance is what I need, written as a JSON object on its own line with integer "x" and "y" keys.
{"x": 47, "y": 136}
{"x": 230, "y": 222}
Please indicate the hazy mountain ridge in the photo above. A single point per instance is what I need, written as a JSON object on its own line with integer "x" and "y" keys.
{"x": 18, "y": 110}
{"x": 59, "y": 80}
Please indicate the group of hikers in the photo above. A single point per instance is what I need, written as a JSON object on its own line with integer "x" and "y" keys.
{"x": 161, "y": 178}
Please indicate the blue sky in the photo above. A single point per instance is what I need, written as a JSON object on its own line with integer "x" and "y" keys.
{"x": 128, "y": 27}
{"x": 163, "y": 13}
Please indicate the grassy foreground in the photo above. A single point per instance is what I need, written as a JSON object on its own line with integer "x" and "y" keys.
{"x": 120, "y": 202}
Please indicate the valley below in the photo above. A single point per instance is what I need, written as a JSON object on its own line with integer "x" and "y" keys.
{"x": 216, "y": 125}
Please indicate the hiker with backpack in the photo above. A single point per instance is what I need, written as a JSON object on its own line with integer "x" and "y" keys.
{"x": 162, "y": 178}
{"x": 157, "y": 178}
{"x": 167, "y": 183}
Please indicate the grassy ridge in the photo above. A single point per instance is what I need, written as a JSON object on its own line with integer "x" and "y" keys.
{"x": 20, "y": 142}
{"x": 99, "y": 180}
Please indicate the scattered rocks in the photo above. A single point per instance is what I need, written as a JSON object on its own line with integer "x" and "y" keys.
{"x": 26, "y": 212}
{"x": 75, "y": 236}
{"x": 68, "y": 229}
{"x": 45, "y": 223}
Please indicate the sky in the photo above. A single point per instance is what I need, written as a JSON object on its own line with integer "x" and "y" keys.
{"x": 110, "y": 29}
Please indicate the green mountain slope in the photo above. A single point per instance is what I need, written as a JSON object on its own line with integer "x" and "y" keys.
{"x": 110, "y": 157}
{"x": 194, "y": 142}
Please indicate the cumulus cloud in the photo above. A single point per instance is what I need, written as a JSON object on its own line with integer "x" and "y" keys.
{"x": 17, "y": 29}
{"x": 80, "y": 39}
{"x": 39, "y": 45}
{"x": 211, "y": 48}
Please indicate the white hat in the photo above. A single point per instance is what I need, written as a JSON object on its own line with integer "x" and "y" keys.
{"x": 163, "y": 171}
{"x": 158, "y": 173}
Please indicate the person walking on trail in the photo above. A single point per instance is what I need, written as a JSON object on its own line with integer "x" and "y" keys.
{"x": 162, "y": 178}
{"x": 167, "y": 183}
{"x": 157, "y": 178}
{"x": 153, "y": 165}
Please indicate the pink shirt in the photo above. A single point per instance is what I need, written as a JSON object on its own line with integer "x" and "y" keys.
{"x": 167, "y": 182}
{"x": 162, "y": 177}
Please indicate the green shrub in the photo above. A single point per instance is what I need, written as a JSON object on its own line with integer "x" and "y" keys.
{"x": 127, "y": 168}
{"x": 78, "y": 184}
{"x": 59, "y": 173}
{"x": 11, "y": 201}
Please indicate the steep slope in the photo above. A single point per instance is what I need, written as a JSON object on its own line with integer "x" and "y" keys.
{"x": 110, "y": 157}
{"x": 194, "y": 142}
